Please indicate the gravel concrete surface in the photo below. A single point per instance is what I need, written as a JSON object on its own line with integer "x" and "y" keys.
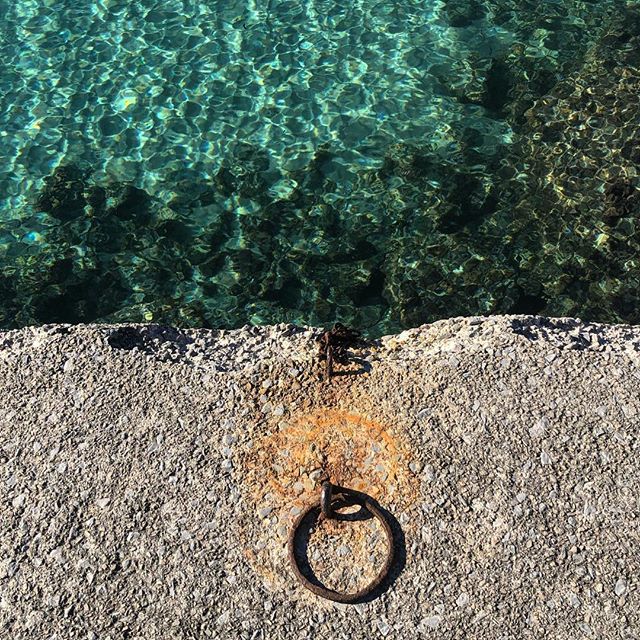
{"x": 150, "y": 476}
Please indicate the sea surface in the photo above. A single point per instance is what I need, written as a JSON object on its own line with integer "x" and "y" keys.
{"x": 382, "y": 163}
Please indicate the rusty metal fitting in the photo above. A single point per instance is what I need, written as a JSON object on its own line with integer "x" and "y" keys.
{"x": 326, "y": 492}
{"x": 330, "y": 494}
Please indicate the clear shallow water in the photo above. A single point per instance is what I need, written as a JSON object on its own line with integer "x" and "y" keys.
{"x": 379, "y": 163}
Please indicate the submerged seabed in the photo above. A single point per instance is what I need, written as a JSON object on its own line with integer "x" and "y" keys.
{"x": 379, "y": 163}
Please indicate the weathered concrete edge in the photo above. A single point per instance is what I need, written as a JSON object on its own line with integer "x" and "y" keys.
{"x": 562, "y": 332}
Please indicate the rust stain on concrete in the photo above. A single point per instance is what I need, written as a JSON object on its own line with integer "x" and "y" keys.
{"x": 354, "y": 450}
{"x": 281, "y": 477}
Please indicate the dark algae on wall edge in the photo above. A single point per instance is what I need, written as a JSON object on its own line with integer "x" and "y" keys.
{"x": 381, "y": 164}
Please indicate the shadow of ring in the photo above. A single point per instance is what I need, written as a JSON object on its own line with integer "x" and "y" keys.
{"x": 352, "y": 497}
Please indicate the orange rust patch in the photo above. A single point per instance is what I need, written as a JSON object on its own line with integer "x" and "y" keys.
{"x": 355, "y": 451}
{"x": 281, "y": 479}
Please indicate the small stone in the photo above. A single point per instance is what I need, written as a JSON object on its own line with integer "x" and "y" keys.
{"x": 415, "y": 466}
{"x": 103, "y": 502}
{"x": 315, "y": 475}
{"x": 629, "y": 411}
{"x": 229, "y": 439}
{"x": 544, "y": 458}
{"x": 265, "y": 511}
{"x": 538, "y": 429}
{"x": 227, "y": 465}
{"x": 18, "y": 501}
{"x": 56, "y": 554}
{"x": 343, "y": 550}
{"x": 383, "y": 626}
{"x": 278, "y": 411}
{"x": 223, "y": 618}
{"x": 463, "y": 600}
{"x": 430, "y": 623}
{"x": 429, "y": 473}
{"x": 620, "y": 587}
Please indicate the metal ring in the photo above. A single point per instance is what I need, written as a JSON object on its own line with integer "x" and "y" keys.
{"x": 369, "y": 504}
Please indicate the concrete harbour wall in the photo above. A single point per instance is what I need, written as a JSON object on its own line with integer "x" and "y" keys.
{"x": 150, "y": 477}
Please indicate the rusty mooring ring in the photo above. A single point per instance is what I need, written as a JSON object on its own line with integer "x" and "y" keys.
{"x": 323, "y": 506}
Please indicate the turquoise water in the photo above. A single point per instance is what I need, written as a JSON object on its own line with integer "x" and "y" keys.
{"x": 380, "y": 163}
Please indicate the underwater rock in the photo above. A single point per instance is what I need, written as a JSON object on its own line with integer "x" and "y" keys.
{"x": 253, "y": 186}
{"x": 624, "y": 199}
{"x": 62, "y": 195}
{"x": 573, "y": 180}
{"x": 245, "y": 174}
{"x": 127, "y": 202}
{"x": 225, "y": 182}
{"x": 192, "y": 195}
{"x": 407, "y": 161}
{"x": 248, "y": 184}
{"x": 8, "y": 295}
{"x": 497, "y": 86}
{"x": 66, "y": 194}
{"x": 178, "y": 231}
{"x": 527, "y": 303}
{"x": 461, "y": 14}
{"x": 251, "y": 158}
{"x": 96, "y": 198}
{"x": 314, "y": 177}
{"x": 90, "y": 294}
{"x": 460, "y": 196}
{"x": 470, "y": 202}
